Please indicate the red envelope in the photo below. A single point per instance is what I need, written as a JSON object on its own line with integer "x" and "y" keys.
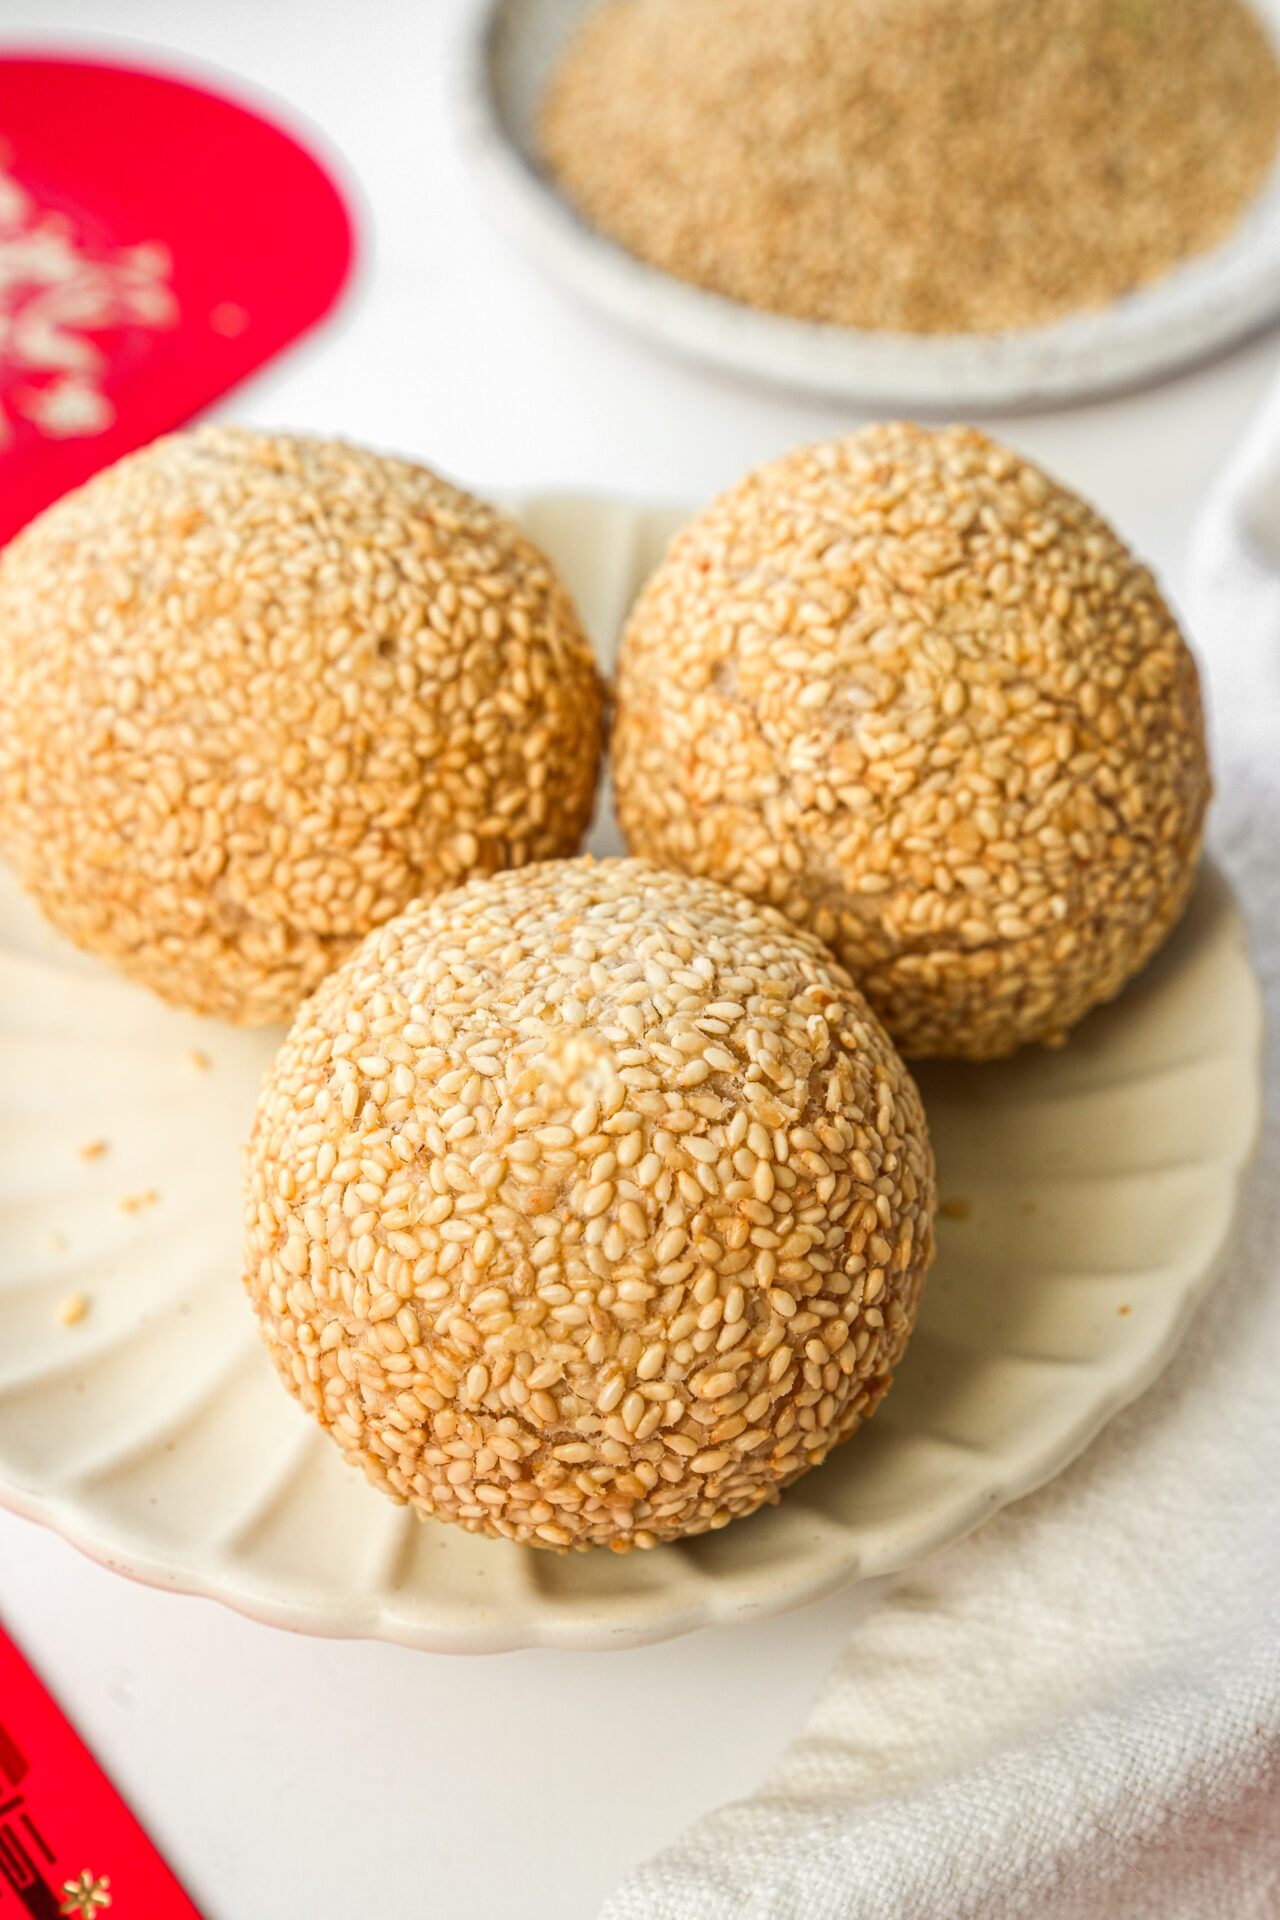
{"x": 157, "y": 243}
{"x": 68, "y": 1844}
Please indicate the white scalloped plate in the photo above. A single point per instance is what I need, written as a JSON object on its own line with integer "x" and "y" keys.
{"x": 154, "y": 1435}
{"x": 503, "y": 56}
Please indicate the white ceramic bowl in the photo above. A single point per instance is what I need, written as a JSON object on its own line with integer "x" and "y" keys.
{"x": 153, "y": 1432}
{"x": 502, "y": 60}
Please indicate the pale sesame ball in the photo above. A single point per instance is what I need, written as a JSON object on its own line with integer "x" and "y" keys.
{"x": 259, "y": 692}
{"x": 924, "y": 700}
{"x": 588, "y": 1204}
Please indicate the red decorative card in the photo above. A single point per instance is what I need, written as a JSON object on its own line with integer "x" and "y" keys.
{"x": 69, "y": 1847}
{"x": 157, "y": 243}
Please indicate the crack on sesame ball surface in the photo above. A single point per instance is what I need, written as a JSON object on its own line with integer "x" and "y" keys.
{"x": 257, "y": 693}
{"x": 922, "y": 699}
{"x": 588, "y": 1204}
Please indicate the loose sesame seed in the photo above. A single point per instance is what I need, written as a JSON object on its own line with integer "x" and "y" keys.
{"x": 919, "y": 165}
{"x": 137, "y": 1202}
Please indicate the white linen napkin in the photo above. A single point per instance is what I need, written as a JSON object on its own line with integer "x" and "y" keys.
{"x": 1075, "y": 1714}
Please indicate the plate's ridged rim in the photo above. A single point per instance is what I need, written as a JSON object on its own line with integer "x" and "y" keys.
{"x": 722, "y": 1600}
{"x": 1202, "y": 308}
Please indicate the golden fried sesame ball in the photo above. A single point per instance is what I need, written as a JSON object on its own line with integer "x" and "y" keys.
{"x": 258, "y": 692}
{"x": 907, "y": 689}
{"x": 588, "y": 1204}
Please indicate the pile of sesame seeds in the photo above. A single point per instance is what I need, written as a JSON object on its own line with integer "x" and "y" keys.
{"x": 257, "y": 693}
{"x": 925, "y": 166}
{"x": 588, "y": 1204}
{"x": 923, "y": 700}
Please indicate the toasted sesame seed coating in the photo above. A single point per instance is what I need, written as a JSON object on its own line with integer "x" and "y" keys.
{"x": 588, "y": 1204}
{"x": 257, "y": 693}
{"x": 910, "y": 691}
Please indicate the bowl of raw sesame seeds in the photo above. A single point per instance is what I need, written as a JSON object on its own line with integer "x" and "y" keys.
{"x": 777, "y": 191}
{"x": 581, "y": 1043}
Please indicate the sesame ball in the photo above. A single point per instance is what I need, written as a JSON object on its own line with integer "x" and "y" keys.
{"x": 910, "y": 691}
{"x": 588, "y": 1204}
{"x": 259, "y": 692}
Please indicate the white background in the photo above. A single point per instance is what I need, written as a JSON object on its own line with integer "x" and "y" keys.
{"x": 289, "y": 1779}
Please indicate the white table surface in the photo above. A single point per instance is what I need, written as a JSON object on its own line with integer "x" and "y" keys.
{"x": 292, "y": 1779}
